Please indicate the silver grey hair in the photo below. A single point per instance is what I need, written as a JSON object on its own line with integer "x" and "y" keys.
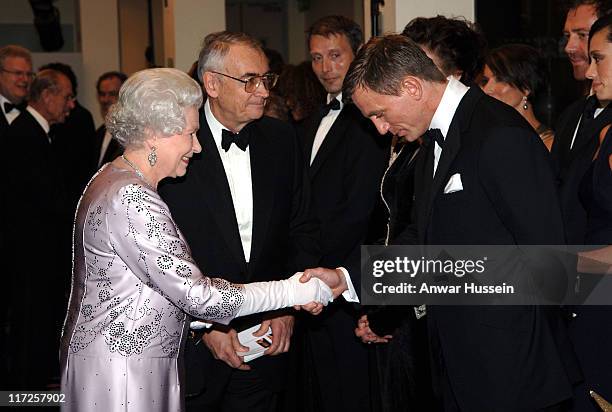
{"x": 152, "y": 101}
{"x": 216, "y": 46}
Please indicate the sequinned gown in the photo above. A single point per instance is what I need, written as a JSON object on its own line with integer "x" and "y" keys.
{"x": 134, "y": 284}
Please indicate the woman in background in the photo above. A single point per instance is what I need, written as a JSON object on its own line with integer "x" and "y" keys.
{"x": 514, "y": 75}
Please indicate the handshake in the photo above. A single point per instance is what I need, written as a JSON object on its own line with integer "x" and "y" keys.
{"x": 315, "y": 288}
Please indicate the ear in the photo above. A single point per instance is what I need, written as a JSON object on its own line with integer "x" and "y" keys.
{"x": 45, "y": 96}
{"x": 413, "y": 86}
{"x": 211, "y": 84}
{"x": 151, "y": 140}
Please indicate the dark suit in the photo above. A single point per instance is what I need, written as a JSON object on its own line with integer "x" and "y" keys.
{"x": 3, "y": 123}
{"x": 494, "y": 358}
{"x": 38, "y": 222}
{"x": 345, "y": 176}
{"x": 113, "y": 150}
{"x": 72, "y": 141}
{"x": 4, "y": 304}
{"x": 571, "y": 165}
{"x": 284, "y": 236}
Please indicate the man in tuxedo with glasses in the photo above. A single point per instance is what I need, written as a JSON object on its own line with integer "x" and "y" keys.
{"x": 244, "y": 208}
{"x": 15, "y": 78}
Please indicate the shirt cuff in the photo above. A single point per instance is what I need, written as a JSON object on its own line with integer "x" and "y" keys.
{"x": 197, "y": 325}
{"x": 350, "y": 295}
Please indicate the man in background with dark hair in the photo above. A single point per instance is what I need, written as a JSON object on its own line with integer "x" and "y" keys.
{"x": 106, "y": 149}
{"x": 345, "y": 160}
{"x": 581, "y": 14}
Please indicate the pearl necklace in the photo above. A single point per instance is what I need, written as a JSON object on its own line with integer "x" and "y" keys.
{"x": 137, "y": 171}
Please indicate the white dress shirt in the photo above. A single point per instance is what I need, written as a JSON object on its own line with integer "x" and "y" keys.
{"x": 443, "y": 116}
{"x": 41, "y": 121}
{"x": 10, "y": 116}
{"x": 326, "y": 123}
{"x": 237, "y": 165}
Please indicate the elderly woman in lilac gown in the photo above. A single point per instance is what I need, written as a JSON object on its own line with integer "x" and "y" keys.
{"x": 134, "y": 283}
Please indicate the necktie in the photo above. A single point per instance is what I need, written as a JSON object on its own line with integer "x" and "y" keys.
{"x": 240, "y": 139}
{"x": 8, "y": 107}
{"x": 433, "y": 135}
{"x": 334, "y": 104}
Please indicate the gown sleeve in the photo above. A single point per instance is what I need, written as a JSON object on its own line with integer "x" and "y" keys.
{"x": 148, "y": 241}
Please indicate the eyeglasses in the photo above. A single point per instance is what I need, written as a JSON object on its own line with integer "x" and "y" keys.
{"x": 252, "y": 83}
{"x": 69, "y": 98}
{"x": 19, "y": 73}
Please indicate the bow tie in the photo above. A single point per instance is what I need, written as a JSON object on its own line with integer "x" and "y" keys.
{"x": 239, "y": 139}
{"x": 334, "y": 104}
{"x": 434, "y": 135}
{"x": 8, "y": 106}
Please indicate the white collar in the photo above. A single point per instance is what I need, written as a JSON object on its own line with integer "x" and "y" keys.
{"x": 443, "y": 116}
{"x": 39, "y": 118}
{"x": 215, "y": 126}
{"x": 2, "y": 101}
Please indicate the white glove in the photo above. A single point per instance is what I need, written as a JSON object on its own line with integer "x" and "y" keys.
{"x": 265, "y": 296}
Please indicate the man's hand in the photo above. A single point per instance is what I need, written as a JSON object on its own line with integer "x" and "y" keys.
{"x": 334, "y": 278}
{"x": 366, "y": 335}
{"x": 224, "y": 345}
{"x": 314, "y": 308}
{"x": 282, "y": 329}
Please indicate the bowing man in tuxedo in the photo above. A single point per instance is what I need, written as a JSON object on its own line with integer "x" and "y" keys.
{"x": 345, "y": 160}
{"x": 39, "y": 222}
{"x": 244, "y": 207}
{"x": 484, "y": 358}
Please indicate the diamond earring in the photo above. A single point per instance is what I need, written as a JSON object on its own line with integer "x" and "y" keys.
{"x": 525, "y": 107}
{"x": 152, "y": 157}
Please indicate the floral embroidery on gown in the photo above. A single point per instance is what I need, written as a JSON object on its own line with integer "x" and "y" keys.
{"x": 134, "y": 283}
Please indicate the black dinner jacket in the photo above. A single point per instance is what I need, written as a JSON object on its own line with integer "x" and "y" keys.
{"x": 39, "y": 181}
{"x": 284, "y": 233}
{"x": 496, "y": 358}
{"x": 72, "y": 141}
{"x": 345, "y": 177}
{"x": 38, "y": 221}
{"x": 4, "y": 125}
{"x": 113, "y": 150}
{"x": 571, "y": 165}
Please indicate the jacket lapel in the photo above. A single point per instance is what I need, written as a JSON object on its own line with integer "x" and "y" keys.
{"x": 452, "y": 145}
{"x": 215, "y": 190}
{"x": 310, "y": 130}
{"x": 263, "y": 165}
{"x": 332, "y": 139}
